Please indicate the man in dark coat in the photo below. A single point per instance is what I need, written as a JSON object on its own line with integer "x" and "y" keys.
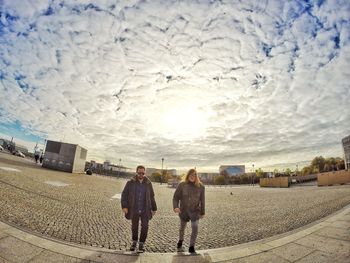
{"x": 138, "y": 203}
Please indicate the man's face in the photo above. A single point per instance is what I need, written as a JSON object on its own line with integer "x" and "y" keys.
{"x": 140, "y": 173}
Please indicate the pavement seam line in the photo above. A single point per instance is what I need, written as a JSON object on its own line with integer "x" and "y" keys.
{"x": 31, "y": 192}
{"x": 312, "y": 251}
{"x": 339, "y": 239}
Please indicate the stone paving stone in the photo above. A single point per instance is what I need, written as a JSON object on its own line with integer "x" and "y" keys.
{"x": 265, "y": 257}
{"x": 113, "y": 257}
{"x": 2, "y": 260}
{"x": 335, "y": 232}
{"x": 292, "y": 251}
{"x": 183, "y": 259}
{"x": 15, "y": 250}
{"x": 346, "y": 217}
{"x": 3, "y": 226}
{"x": 51, "y": 257}
{"x": 322, "y": 257}
{"x": 235, "y": 253}
{"x": 325, "y": 244}
{"x": 3, "y": 234}
{"x": 341, "y": 224}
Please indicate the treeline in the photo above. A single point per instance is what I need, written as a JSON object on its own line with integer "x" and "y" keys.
{"x": 321, "y": 165}
{"x": 318, "y": 165}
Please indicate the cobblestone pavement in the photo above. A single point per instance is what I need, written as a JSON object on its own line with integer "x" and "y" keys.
{"x": 84, "y": 212}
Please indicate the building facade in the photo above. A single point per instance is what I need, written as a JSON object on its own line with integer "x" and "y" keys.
{"x": 207, "y": 177}
{"x": 64, "y": 157}
{"x": 12, "y": 146}
{"x": 346, "y": 148}
{"x": 232, "y": 170}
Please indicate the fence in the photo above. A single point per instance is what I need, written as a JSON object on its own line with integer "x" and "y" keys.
{"x": 274, "y": 182}
{"x": 331, "y": 178}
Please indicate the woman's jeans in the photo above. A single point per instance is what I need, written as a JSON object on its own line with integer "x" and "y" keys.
{"x": 194, "y": 226}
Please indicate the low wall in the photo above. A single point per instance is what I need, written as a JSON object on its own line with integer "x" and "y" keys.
{"x": 332, "y": 178}
{"x": 274, "y": 182}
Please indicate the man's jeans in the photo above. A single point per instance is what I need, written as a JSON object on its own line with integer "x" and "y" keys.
{"x": 135, "y": 227}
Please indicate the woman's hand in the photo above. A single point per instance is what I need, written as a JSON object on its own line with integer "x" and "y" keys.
{"x": 177, "y": 210}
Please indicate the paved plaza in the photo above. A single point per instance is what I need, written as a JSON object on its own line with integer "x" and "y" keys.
{"x": 85, "y": 210}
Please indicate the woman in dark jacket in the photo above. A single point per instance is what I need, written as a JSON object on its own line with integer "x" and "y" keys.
{"x": 189, "y": 203}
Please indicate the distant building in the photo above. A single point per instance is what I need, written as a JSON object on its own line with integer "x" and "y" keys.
{"x": 93, "y": 164}
{"x": 64, "y": 157}
{"x": 107, "y": 166}
{"x": 207, "y": 177}
{"x": 232, "y": 170}
{"x": 12, "y": 146}
{"x": 346, "y": 148}
{"x": 150, "y": 171}
{"x": 116, "y": 168}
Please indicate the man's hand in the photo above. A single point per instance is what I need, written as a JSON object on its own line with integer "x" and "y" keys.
{"x": 153, "y": 213}
{"x": 125, "y": 210}
{"x": 177, "y": 210}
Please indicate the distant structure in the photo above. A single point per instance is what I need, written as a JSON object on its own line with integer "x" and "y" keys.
{"x": 64, "y": 157}
{"x": 107, "y": 165}
{"x": 207, "y": 177}
{"x": 232, "y": 170}
{"x": 12, "y": 146}
{"x": 346, "y": 148}
{"x": 107, "y": 168}
{"x": 150, "y": 171}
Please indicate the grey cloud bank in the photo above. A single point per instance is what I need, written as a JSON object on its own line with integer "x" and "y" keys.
{"x": 199, "y": 83}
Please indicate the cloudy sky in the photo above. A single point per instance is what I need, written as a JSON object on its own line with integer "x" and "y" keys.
{"x": 198, "y": 83}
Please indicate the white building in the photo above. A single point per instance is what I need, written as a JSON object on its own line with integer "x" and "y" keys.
{"x": 346, "y": 148}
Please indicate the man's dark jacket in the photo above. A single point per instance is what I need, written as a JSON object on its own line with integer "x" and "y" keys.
{"x": 128, "y": 197}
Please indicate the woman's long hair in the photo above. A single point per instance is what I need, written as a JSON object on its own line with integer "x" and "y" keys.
{"x": 197, "y": 182}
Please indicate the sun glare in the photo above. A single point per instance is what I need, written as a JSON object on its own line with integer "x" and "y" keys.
{"x": 185, "y": 122}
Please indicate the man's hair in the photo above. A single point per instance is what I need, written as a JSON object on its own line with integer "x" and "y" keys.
{"x": 140, "y": 167}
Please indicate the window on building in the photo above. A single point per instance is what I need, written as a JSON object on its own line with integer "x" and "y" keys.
{"x": 83, "y": 154}
{"x": 53, "y": 147}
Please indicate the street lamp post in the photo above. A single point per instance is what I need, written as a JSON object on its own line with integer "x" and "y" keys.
{"x": 120, "y": 160}
{"x": 161, "y": 178}
{"x": 253, "y": 175}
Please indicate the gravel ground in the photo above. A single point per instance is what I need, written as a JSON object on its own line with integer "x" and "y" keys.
{"x": 80, "y": 209}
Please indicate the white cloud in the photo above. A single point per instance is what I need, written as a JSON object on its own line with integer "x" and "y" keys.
{"x": 200, "y": 84}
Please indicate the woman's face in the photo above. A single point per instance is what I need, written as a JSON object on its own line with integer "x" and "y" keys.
{"x": 192, "y": 177}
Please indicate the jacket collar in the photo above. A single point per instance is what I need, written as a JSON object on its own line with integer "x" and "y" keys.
{"x": 145, "y": 179}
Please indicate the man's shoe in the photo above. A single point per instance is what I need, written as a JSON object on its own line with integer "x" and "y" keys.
{"x": 141, "y": 247}
{"x": 179, "y": 246}
{"x": 191, "y": 250}
{"x": 133, "y": 246}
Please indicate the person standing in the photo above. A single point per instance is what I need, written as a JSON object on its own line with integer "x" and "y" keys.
{"x": 36, "y": 156}
{"x": 138, "y": 204}
{"x": 189, "y": 204}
